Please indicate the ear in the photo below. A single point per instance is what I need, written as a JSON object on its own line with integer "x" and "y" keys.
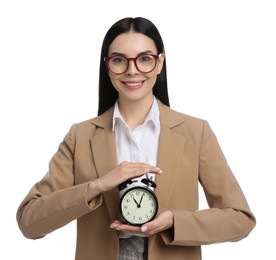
{"x": 160, "y": 63}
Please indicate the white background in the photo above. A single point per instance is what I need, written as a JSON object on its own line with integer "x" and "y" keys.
{"x": 221, "y": 61}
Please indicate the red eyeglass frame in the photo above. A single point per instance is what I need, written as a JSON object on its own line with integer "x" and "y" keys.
{"x": 155, "y": 56}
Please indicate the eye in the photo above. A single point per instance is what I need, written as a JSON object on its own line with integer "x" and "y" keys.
{"x": 118, "y": 59}
{"x": 145, "y": 58}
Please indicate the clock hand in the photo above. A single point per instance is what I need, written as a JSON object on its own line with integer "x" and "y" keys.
{"x": 138, "y": 205}
{"x": 141, "y": 200}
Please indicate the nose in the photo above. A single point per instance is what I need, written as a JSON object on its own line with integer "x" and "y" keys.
{"x": 131, "y": 69}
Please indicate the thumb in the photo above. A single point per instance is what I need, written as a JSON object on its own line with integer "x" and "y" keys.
{"x": 144, "y": 228}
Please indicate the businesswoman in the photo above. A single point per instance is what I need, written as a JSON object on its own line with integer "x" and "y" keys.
{"x": 137, "y": 136}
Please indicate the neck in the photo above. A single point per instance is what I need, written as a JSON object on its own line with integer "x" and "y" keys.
{"x": 135, "y": 112}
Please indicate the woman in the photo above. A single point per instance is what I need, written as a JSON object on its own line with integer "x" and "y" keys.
{"x": 136, "y": 134}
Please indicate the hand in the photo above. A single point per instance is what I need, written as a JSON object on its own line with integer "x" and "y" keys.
{"x": 138, "y": 204}
{"x": 141, "y": 200}
{"x": 124, "y": 171}
{"x": 162, "y": 222}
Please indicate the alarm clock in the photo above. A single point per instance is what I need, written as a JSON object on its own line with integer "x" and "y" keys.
{"x": 138, "y": 204}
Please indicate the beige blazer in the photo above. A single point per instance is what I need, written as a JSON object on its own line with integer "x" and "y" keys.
{"x": 189, "y": 154}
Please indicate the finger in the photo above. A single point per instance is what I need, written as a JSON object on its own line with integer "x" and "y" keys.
{"x": 152, "y": 227}
{"x": 125, "y": 227}
{"x": 146, "y": 168}
{"x": 156, "y": 170}
{"x": 115, "y": 224}
{"x": 135, "y": 164}
{"x": 142, "y": 166}
{"x": 149, "y": 230}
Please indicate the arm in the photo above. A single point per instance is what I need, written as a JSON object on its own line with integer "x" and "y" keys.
{"x": 55, "y": 200}
{"x": 229, "y": 217}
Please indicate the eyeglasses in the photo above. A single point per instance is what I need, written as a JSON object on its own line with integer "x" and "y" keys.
{"x": 118, "y": 64}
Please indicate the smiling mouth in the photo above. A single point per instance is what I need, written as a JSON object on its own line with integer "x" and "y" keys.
{"x": 134, "y": 85}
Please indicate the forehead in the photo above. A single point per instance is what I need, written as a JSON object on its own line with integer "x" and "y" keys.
{"x": 132, "y": 43}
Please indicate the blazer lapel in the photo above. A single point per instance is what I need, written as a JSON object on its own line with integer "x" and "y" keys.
{"x": 171, "y": 146}
{"x": 103, "y": 145}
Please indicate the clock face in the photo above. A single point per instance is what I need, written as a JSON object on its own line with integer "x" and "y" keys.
{"x": 138, "y": 205}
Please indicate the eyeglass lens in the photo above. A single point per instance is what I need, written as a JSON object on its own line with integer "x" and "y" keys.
{"x": 144, "y": 63}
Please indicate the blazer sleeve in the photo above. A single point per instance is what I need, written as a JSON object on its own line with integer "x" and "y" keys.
{"x": 228, "y": 217}
{"x": 55, "y": 200}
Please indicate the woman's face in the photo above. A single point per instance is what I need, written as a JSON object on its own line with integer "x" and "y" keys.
{"x": 134, "y": 85}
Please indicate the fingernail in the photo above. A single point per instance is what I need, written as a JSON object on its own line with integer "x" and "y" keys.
{"x": 144, "y": 229}
{"x": 158, "y": 170}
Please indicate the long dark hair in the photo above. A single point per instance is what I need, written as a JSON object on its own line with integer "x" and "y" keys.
{"x": 107, "y": 93}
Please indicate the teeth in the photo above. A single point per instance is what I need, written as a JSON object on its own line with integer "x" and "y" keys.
{"x": 133, "y": 84}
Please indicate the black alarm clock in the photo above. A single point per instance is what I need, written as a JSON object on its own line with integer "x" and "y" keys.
{"x": 138, "y": 204}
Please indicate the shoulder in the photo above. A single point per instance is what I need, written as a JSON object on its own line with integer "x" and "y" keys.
{"x": 173, "y": 118}
{"x": 89, "y": 126}
{"x": 183, "y": 124}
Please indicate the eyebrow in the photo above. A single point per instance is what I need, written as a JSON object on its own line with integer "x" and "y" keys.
{"x": 124, "y": 55}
